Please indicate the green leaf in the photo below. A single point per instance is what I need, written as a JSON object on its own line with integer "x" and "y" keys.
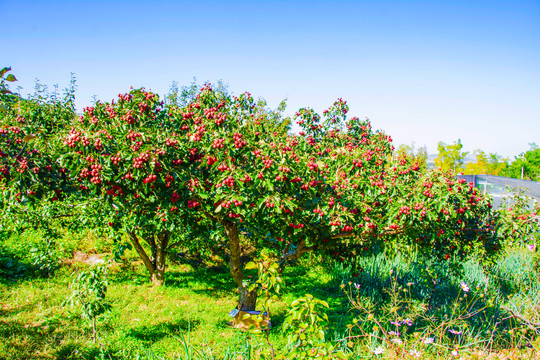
{"x": 11, "y": 78}
{"x": 251, "y": 265}
{"x": 4, "y": 70}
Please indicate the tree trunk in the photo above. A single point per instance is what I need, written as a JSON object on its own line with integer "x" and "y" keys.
{"x": 161, "y": 258}
{"x": 247, "y": 300}
{"x": 94, "y": 329}
{"x": 288, "y": 256}
{"x": 156, "y": 263}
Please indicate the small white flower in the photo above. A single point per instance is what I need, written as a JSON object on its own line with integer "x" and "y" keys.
{"x": 378, "y": 351}
{"x": 465, "y": 287}
{"x": 415, "y": 353}
{"x": 454, "y": 353}
{"x": 429, "y": 340}
{"x": 397, "y": 341}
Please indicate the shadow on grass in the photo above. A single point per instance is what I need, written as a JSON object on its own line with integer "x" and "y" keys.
{"x": 28, "y": 341}
{"x": 154, "y": 333}
{"x": 14, "y": 269}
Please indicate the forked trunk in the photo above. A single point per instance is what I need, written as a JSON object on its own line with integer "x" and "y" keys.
{"x": 156, "y": 263}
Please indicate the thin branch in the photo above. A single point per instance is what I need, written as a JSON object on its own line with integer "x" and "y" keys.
{"x": 517, "y": 315}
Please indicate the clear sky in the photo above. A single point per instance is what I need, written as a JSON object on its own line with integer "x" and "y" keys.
{"x": 422, "y": 71}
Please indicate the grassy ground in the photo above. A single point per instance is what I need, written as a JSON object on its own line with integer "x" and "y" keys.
{"x": 192, "y": 309}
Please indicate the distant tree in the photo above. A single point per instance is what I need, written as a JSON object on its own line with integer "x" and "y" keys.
{"x": 492, "y": 164}
{"x": 497, "y": 165}
{"x": 450, "y": 157}
{"x": 527, "y": 165}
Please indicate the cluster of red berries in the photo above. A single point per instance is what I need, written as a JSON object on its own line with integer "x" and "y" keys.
{"x": 404, "y": 210}
{"x": 268, "y": 163}
{"x": 197, "y": 136}
{"x": 72, "y": 138}
{"x": 192, "y": 184}
{"x": 174, "y": 197}
{"x": 210, "y": 160}
{"x": 218, "y": 144}
{"x": 133, "y": 135}
{"x": 223, "y": 167}
{"x": 238, "y": 141}
{"x": 284, "y": 169}
{"x": 192, "y": 204}
{"x": 115, "y": 191}
{"x": 428, "y": 184}
{"x": 150, "y": 179}
{"x": 128, "y": 118}
{"x": 23, "y": 165}
{"x": 139, "y": 161}
{"x": 371, "y": 226}
{"x": 136, "y": 146}
{"x": 143, "y": 107}
{"x": 125, "y": 97}
{"x": 187, "y": 115}
{"x": 95, "y": 173}
{"x": 98, "y": 144}
{"x": 229, "y": 181}
{"x": 116, "y": 159}
{"x": 318, "y": 211}
{"x": 170, "y": 142}
{"x": 313, "y": 166}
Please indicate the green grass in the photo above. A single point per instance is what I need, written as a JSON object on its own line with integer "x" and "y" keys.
{"x": 190, "y": 313}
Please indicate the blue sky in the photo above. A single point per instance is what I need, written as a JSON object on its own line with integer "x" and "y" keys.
{"x": 422, "y": 71}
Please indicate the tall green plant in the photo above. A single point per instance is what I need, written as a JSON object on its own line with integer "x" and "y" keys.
{"x": 89, "y": 292}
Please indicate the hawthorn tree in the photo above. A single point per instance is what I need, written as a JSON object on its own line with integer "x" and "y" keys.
{"x": 34, "y": 190}
{"x": 331, "y": 188}
{"x": 225, "y": 164}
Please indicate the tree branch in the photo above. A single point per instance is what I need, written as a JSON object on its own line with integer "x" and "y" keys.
{"x": 136, "y": 243}
{"x": 517, "y": 315}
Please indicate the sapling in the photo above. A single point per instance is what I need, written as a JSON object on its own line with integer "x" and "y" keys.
{"x": 90, "y": 291}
